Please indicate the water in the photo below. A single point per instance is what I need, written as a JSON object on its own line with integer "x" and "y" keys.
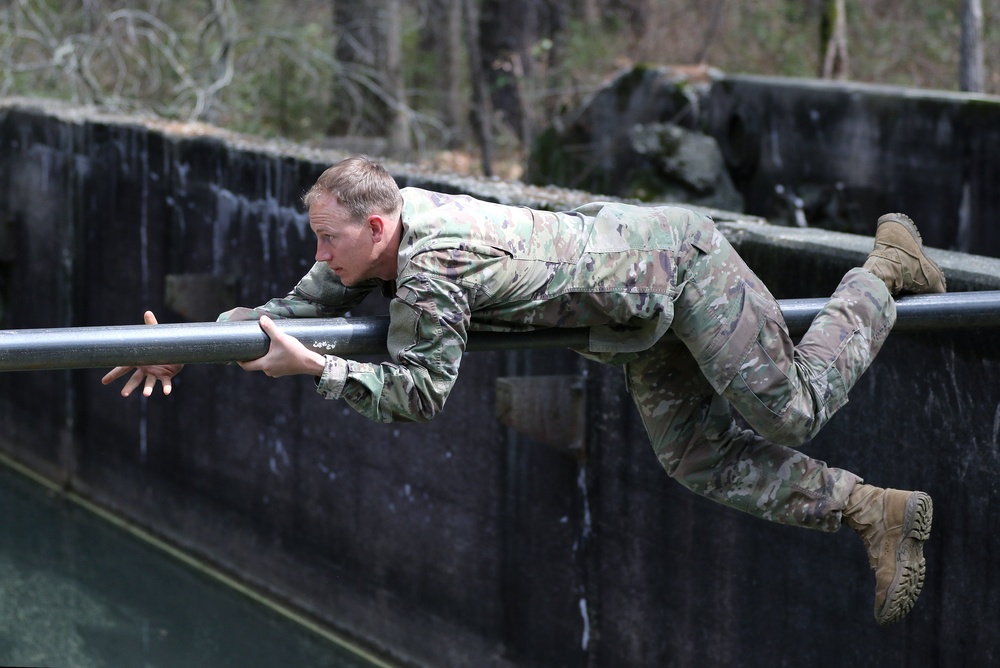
{"x": 76, "y": 590}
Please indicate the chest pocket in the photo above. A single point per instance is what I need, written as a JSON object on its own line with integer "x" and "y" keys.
{"x": 479, "y": 269}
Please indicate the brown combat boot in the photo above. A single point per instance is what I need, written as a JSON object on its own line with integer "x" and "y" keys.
{"x": 898, "y": 258}
{"x": 893, "y": 525}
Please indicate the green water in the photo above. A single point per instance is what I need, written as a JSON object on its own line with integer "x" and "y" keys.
{"x": 77, "y": 591}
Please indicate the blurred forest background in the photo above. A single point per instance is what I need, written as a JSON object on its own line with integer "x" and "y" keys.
{"x": 459, "y": 84}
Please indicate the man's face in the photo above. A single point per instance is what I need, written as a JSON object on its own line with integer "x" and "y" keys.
{"x": 345, "y": 246}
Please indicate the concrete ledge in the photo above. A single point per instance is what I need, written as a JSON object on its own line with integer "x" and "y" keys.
{"x": 964, "y": 271}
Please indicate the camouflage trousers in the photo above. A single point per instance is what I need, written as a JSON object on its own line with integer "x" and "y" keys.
{"x": 733, "y": 351}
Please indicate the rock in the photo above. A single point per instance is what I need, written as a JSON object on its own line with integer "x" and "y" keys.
{"x": 638, "y": 138}
{"x": 680, "y": 165}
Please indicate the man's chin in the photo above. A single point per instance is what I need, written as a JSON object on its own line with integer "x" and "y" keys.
{"x": 348, "y": 281}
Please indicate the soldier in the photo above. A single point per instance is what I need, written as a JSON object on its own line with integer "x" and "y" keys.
{"x": 454, "y": 264}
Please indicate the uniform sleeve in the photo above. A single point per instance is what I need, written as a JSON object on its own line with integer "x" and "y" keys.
{"x": 319, "y": 294}
{"x": 429, "y": 320}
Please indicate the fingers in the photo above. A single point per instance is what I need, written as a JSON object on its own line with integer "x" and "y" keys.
{"x": 269, "y": 327}
{"x": 150, "y": 385}
{"x": 115, "y": 374}
{"x": 119, "y": 371}
{"x": 133, "y": 382}
{"x": 285, "y": 356}
{"x": 146, "y": 376}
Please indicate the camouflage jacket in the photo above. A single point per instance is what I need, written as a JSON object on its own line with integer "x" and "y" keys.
{"x": 467, "y": 265}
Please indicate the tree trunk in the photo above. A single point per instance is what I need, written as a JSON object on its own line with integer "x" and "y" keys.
{"x": 482, "y": 110}
{"x": 452, "y": 107}
{"x": 503, "y": 26}
{"x": 589, "y": 12}
{"x": 636, "y": 13}
{"x": 391, "y": 65}
{"x": 713, "y": 28}
{"x": 510, "y": 32}
{"x": 371, "y": 102}
{"x": 353, "y": 51}
{"x": 971, "y": 76}
{"x": 833, "y": 36}
{"x": 442, "y": 39}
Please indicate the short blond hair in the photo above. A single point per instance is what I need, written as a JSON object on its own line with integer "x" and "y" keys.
{"x": 360, "y": 185}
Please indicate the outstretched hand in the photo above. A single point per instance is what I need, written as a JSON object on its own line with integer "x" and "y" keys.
{"x": 286, "y": 355}
{"x": 145, "y": 375}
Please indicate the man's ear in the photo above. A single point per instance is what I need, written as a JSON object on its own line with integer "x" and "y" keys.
{"x": 376, "y": 224}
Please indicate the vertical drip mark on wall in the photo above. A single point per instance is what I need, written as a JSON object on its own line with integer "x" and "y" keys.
{"x": 963, "y": 237}
{"x": 54, "y": 169}
{"x": 180, "y": 170}
{"x": 144, "y": 213}
{"x": 581, "y": 483}
{"x": 226, "y": 210}
{"x": 582, "y": 548}
{"x": 143, "y": 176}
{"x": 996, "y": 429}
{"x": 143, "y": 410}
{"x": 775, "y": 147}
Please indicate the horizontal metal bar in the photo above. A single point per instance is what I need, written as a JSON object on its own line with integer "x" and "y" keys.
{"x": 214, "y": 342}
{"x": 950, "y": 310}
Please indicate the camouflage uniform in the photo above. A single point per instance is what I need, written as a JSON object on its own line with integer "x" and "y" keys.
{"x": 630, "y": 274}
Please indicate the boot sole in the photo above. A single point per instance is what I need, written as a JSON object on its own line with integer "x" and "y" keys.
{"x": 911, "y": 227}
{"x": 908, "y": 580}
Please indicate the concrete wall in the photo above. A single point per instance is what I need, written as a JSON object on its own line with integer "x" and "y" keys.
{"x": 850, "y": 152}
{"x": 834, "y": 155}
{"x": 463, "y": 542}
